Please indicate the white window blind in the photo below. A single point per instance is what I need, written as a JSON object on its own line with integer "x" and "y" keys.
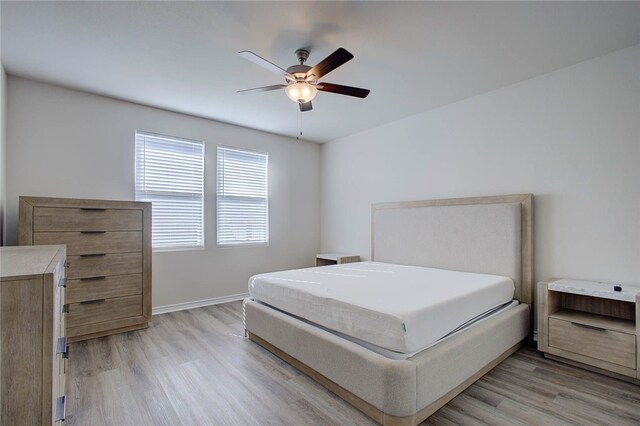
{"x": 170, "y": 174}
{"x": 242, "y": 199}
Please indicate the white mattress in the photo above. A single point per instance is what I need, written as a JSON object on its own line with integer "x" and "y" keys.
{"x": 399, "y": 308}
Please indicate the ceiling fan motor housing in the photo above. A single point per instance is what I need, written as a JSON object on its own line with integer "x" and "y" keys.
{"x": 299, "y": 71}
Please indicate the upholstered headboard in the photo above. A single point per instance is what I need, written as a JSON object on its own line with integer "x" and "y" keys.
{"x": 491, "y": 235}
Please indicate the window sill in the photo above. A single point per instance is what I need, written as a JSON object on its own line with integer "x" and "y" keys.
{"x": 240, "y": 245}
{"x": 170, "y": 249}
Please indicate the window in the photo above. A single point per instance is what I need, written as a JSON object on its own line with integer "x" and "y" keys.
{"x": 243, "y": 205}
{"x": 170, "y": 174}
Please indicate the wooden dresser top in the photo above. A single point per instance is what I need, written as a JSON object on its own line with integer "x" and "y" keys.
{"x": 25, "y": 261}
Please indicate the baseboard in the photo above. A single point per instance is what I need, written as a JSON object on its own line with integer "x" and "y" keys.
{"x": 198, "y": 303}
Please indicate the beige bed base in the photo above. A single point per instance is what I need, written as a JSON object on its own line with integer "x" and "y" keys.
{"x": 391, "y": 392}
{"x": 491, "y": 235}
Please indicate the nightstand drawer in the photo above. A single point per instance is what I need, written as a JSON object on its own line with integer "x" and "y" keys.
{"x": 594, "y": 342}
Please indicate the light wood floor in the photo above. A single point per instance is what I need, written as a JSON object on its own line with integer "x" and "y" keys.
{"x": 195, "y": 368}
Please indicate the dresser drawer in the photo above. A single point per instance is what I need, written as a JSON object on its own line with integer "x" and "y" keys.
{"x": 91, "y": 242}
{"x": 100, "y": 310}
{"x": 81, "y": 290}
{"x": 88, "y": 331}
{"x": 104, "y": 265}
{"x": 593, "y": 342}
{"x": 74, "y": 219}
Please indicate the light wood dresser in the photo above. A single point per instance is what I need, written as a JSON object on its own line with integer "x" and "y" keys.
{"x": 33, "y": 347}
{"x": 591, "y": 325}
{"x": 108, "y": 259}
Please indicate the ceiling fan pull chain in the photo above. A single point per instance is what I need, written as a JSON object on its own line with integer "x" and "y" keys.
{"x": 299, "y": 125}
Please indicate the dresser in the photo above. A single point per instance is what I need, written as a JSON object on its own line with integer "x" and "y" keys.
{"x": 108, "y": 259}
{"x": 33, "y": 346}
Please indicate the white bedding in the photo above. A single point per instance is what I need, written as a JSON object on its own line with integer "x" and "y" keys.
{"x": 400, "y": 308}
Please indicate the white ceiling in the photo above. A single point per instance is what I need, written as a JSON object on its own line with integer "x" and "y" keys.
{"x": 414, "y": 56}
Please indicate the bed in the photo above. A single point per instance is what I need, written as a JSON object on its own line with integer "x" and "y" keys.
{"x": 398, "y": 359}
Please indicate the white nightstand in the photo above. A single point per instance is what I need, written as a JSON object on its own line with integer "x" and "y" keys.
{"x": 590, "y": 325}
{"x": 335, "y": 259}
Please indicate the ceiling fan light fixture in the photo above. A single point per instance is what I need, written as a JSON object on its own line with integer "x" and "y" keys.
{"x": 302, "y": 80}
{"x": 301, "y": 92}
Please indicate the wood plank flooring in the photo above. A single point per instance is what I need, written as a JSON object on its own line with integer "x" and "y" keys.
{"x": 195, "y": 368}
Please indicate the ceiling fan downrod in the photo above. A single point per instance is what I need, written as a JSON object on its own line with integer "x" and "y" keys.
{"x": 302, "y": 55}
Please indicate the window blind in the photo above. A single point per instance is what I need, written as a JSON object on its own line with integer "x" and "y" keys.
{"x": 170, "y": 174}
{"x": 242, "y": 197}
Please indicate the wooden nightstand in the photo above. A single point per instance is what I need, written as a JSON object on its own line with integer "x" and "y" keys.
{"x": 335, "y": 259}
{"x": 590, "y": 325}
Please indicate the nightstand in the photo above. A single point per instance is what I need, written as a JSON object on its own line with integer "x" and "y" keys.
{"x": 335, "y": 259}
{"x": 590, "y": 325}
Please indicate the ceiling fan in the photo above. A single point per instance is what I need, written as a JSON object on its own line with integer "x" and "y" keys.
{"x": 302, "y": 80}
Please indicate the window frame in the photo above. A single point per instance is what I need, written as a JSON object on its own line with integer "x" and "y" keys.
{"x": 202, "y": 244}
{"x": 267, "y": 199}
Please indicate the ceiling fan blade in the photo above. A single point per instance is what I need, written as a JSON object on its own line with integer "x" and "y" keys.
{"x": 306, "y": 107}
{"x": 258, "y": 60}
{"x": 330, "y": 63}
{"x": 343, "y": 90}
{"x": 262, "y": 89}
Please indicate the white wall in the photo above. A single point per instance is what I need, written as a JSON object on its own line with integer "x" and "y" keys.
{"x": 571, "y": 137}
{"x": 65, "y": 143}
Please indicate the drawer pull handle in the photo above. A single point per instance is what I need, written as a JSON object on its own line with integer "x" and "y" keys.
{"x": 590, "y": 327}
{"x": 93, "y": 255}
{"x": 100, "y": 277}
{"x": 61, "y": 408}
{"x": 65, "y": 308}
{"x": 62, "y": 283}
{"x": 93, "y": 209}
{"x": 90, "y": 302}
{"x": 62, "y": 347}
{"x": 93, "y": 232}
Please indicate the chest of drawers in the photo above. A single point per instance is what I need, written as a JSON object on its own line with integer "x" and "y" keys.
{"x": 33, "y": 345}
{"x": 108, "y": 259}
